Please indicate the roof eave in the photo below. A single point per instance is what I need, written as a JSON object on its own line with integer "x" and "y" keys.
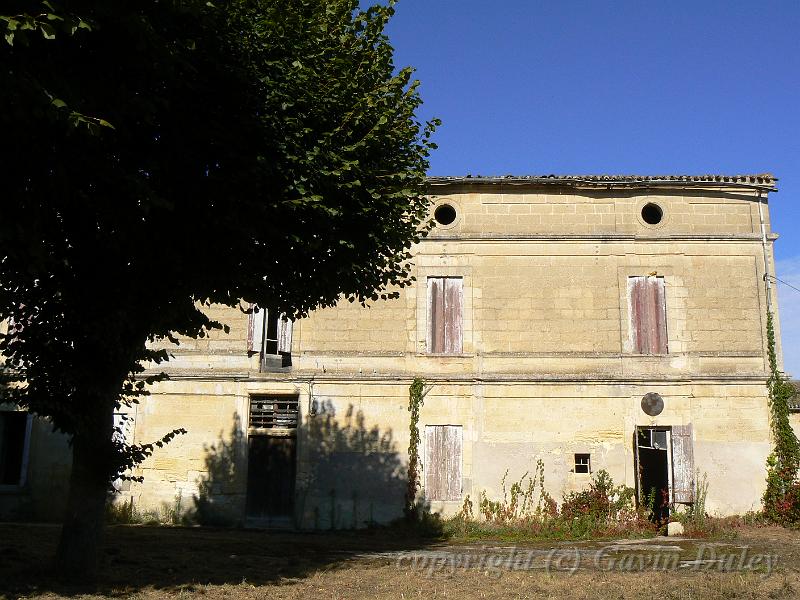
{"x": 754, "y": 182}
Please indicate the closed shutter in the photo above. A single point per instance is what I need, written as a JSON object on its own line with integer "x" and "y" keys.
{"x": 682, "y": 464}
{"x": 445, "y": 315}
{"x": 648, "y": 314}
{"x": 284, "y": 335}
{"x": 255, "y": 329}
{"x": 443, "y": 458}
{"x": 452, "y": 315}
{"x": 435, "y": 314}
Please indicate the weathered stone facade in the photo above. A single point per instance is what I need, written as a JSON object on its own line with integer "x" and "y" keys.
{"x": 547, "y": 366}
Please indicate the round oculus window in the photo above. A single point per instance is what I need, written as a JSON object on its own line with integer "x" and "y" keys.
{"x": 444, "y": 214}
{"x": 652, "y": 214}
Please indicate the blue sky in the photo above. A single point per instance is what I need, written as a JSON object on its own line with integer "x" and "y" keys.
{"x": 529, "y": 87}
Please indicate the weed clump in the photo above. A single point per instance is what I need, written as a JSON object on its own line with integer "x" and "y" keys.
{"x": 527, "y": 510}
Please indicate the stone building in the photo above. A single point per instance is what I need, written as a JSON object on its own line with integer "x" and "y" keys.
{"x": 590, "y": 322}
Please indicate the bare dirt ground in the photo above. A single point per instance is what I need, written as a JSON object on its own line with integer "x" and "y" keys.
{"x": 156, "y": 562}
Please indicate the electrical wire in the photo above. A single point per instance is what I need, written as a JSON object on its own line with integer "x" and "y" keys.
{"x": 783, "y": 282}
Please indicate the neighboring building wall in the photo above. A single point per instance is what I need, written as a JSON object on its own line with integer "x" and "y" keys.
{"x": 35, "y": 465}
{"x": 546, "y": 370}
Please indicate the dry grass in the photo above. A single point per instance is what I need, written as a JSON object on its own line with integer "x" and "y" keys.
{"x": 148, "y": 563}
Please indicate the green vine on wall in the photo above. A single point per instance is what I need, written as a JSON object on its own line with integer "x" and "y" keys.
{"x": 415, "y": 401}
{"x": 781, "y": 499}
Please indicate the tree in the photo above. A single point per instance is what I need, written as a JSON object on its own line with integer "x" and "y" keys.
{"x": 160, "y": 156}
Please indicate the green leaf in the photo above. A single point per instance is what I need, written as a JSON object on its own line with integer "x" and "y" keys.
{"x": 48, "y": 31}
{"x": 58, "y": 103}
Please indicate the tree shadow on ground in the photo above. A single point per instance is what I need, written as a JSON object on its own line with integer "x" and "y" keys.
{"x": 349, "y": 476}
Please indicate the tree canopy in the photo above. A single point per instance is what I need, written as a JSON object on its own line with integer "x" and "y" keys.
{"x": 161, "y": 155}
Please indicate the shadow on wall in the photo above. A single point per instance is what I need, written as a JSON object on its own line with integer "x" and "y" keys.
{"x": 222, "y": 488}
{"x": 351, "y": 476}
{"x": 348, "y": 475}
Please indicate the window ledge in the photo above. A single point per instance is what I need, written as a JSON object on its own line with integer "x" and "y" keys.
{"x": 441, "y": 355}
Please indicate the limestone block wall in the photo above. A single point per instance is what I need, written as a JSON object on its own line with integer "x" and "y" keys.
{"x": 530, "y": 309}
{"x": 544, "y": 295}
{"x": 547, "y": 367}
{"x": 508, "y": 209}
{"x": 353, "y": 440}
{"x": 209, "y": 460}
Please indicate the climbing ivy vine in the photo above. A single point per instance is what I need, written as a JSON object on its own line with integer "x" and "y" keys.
{"x": 415, "y": 401}
{"x": 782, "y": 496}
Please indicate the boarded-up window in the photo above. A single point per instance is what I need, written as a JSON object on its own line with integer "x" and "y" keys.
{"x": 274, "y": 412}
{"x": 445, "y": 315}
{"x": 442, "y": 465}
{"x": 682, "y": 464}
{"x": 648, "y": 314}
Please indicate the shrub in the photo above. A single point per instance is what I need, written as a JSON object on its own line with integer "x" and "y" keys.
{"x": 526, "y": 500}
{"x": 526, "y": 510}
{"x": 121, "y": 514}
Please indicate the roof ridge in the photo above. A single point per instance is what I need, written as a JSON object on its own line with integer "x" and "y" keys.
{"x": 756, "y": 181}
{"x": 751, "y": 178}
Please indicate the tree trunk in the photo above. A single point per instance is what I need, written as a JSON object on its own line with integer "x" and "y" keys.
{"x": 81, "y": 535}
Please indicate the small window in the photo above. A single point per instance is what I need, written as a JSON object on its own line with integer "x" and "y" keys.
{"x": 582, "y": 463}
{"x": 444, "y": 214}
{"x": 274, "y": 412}
{"x": 652, "y": 214}
{"x": 648, "y": 314}
{"x": 14, "y": 432}
{"x": 445, "y": 315}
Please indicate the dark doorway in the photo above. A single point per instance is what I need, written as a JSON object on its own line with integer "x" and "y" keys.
{"x": 13, "y": 427}
{"x": 652, "y": 451}
{"x": 270, "y": 477}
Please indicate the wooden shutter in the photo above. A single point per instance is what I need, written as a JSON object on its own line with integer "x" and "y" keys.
{"x": 682, "y": 464}
{"x": 648, "y": 314}
{"x": 637, "y": 465}
{"x": 435, "y": 314}
{"x": 255, "y": 329}
{"x": 442, "y": 466}
{"x": 453, "y": 309}
{"x": 284, "y": 335}
{"x": 445, "y": 315}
